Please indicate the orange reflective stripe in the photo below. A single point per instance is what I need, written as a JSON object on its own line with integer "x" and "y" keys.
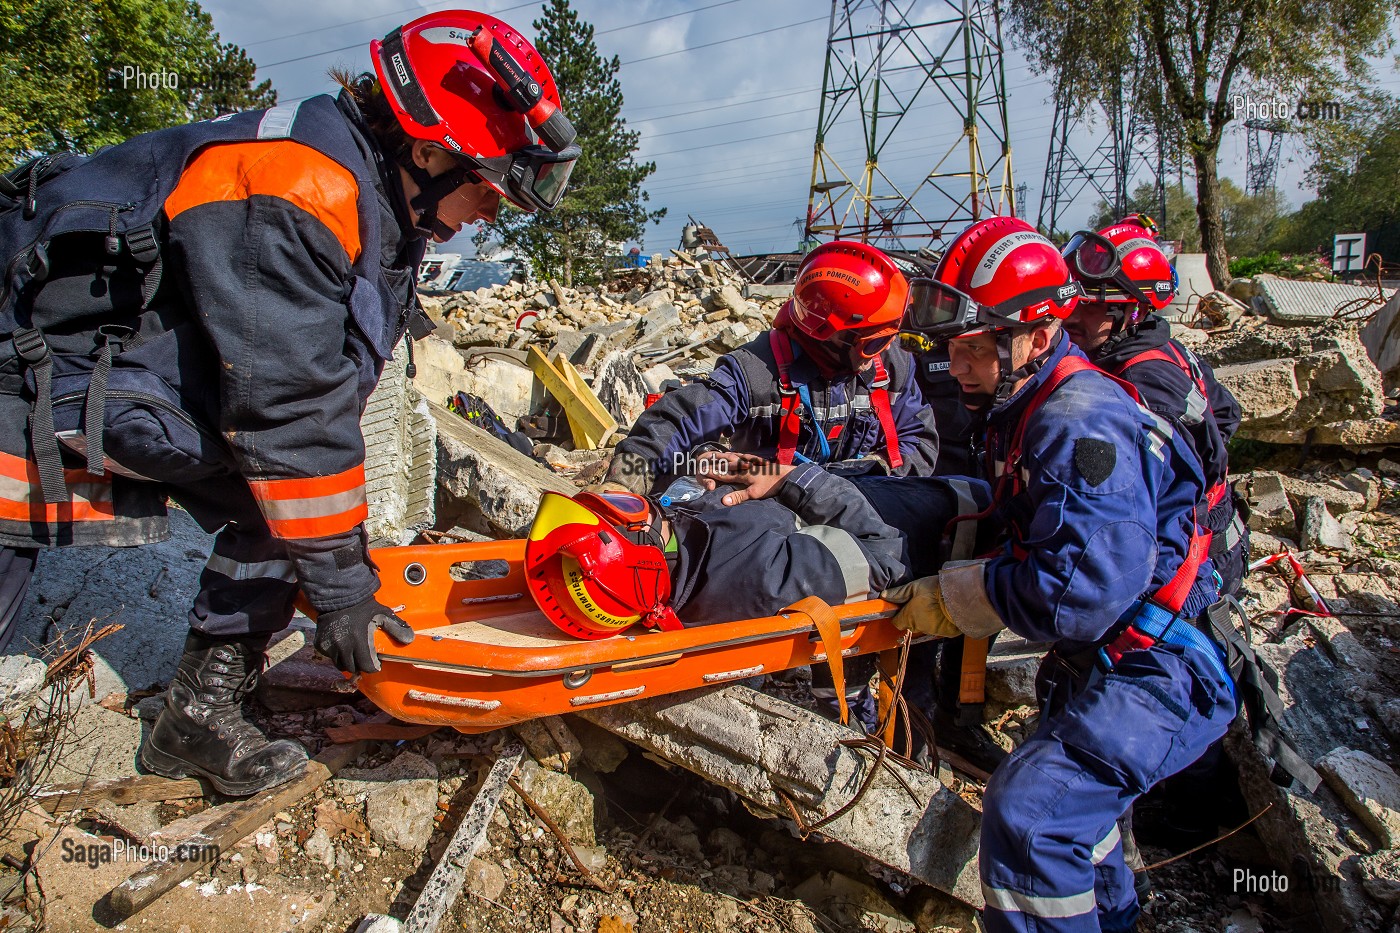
{"x": 313, "y": 506}
{"x": 298, "y": 174}
{"x": 21, "y": 499}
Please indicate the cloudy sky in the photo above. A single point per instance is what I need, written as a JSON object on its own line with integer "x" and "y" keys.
{"x": 724, "y": 92}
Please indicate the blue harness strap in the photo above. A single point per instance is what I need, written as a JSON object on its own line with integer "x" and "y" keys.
{"x": 1161, "y": 624}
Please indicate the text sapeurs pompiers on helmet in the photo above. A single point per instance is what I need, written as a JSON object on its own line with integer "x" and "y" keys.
{"x": 998, "y": 276}
{"x": 477, "y": 87}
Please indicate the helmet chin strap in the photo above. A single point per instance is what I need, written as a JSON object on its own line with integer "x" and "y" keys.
{"x": 1006, "y": 384}
{"x": 1120, "y": 331}
{"x": 431, "y": 190}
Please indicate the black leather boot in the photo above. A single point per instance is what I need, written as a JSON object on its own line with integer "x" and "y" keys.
{"x": 202, "y": 732}
{"x": 971, "y": 742}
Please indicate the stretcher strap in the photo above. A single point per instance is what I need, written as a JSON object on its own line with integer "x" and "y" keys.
{"x": 828, "y": 627}
{"x": 972, "y": 688}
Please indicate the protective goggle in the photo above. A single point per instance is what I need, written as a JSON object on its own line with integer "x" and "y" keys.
{"x": 534, "y": 177}
{"x": 1099, "y": 263}
{"x": 853, "y": 343}
{"x": 938, "y": 311}
{"x": 624, "y": 510}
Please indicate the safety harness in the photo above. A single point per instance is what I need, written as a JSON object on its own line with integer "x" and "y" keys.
{"x": 1157, "y": 618}
{"x": 794, "y": 400}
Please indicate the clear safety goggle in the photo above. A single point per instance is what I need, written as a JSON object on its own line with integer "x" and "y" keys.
{"x": 534, "y": 177}
{"x": 938, "y": 311}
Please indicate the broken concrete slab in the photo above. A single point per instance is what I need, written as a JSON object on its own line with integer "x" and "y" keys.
{"x": 401, "y": 813}
{"x": 1290, "y": 301}
{"x": 1267, "y": 389}
{"x": 407, "y": 766}
{"x": 488, "y": 486}
{"x": 1194, "y": 281}
{"x": 1369, "y": 787}
{"x": 1271, "y": 511}
{"x": 400, "y": 457}
{"x": 768, "y": 292}
{"x": 765, "y": 750}
{"x": 1320, "y": 529}
{"x": 102, "y": 745}
{"x": 1381, "y": 337}
{"x": 504, "y": 380}
{"x": 619, "y": 386}
{"x": 1380, "y": 875}
{"x": 568, "y": 803}
{"x": 853, "y": 904}
{"x": 1338, "y": 501}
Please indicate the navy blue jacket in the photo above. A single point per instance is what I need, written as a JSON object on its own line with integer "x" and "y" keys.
{"x": 739, "y": 399}
{"x": 820, "y": 535}
{"x": 1104, "y": 518}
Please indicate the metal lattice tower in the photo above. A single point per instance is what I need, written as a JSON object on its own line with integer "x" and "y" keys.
{"x": 1261, "y": 167}
{"x": 1121, "y": 148}
{"x": 882, "y": 62}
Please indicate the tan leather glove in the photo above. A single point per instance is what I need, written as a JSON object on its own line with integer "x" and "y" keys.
{"x": 923, "y": 610}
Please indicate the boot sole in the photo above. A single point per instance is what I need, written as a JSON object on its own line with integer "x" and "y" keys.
{"x": 167, "y": 765}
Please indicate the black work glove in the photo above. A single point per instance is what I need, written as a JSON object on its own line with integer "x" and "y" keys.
{"x": 346, "y": 636}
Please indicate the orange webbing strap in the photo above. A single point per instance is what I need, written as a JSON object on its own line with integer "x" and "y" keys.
{"x": 880, "y": 401}
{"x": 973, "y": 686}
{"x": 828, "y": 627}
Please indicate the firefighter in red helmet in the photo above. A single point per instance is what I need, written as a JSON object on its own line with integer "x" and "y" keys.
{"x": 826, "y": 385}
{"x": 262, "y": 269}
{"x": 1101, "y": 555}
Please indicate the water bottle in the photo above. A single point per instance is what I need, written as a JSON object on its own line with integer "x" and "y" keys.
{"x": 684, "y": 489}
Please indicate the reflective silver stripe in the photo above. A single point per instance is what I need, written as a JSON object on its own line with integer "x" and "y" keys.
{"x": 1234, "y": 533}
{"x": 255, "y": 570}
{"x": 277, "y": 121}
{"x": 964, "y": 533}
{"x": 1158, "y": 437}
{"x": 1106, "y": 845}
{"x": 1072, "y": 905}
{"x": 96, "y": 492}
{"x": 1196, "y": 407}
{"x": 765, "y": 411}
{"x": 313, "y": 506}
{"x": 855, "y": 569}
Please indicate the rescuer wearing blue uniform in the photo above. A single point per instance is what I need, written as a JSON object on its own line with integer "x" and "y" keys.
{"x": 1101, "y": 555}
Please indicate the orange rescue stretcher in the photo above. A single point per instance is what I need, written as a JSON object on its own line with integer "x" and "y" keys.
{"x": 486, "y": 657}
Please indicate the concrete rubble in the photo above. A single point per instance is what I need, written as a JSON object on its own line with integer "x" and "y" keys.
{"x": 719, "y": 852}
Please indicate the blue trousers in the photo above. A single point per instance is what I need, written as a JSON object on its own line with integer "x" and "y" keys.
{"x": 1051, "y": 857}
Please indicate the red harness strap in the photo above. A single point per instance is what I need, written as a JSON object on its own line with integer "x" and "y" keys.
{"x": 880, "y": 399}
{"x": 1168, "y": 353}
{"x": 790, "y": 426}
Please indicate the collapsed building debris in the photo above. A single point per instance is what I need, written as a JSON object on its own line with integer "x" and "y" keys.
{"x": 364, "y": 842}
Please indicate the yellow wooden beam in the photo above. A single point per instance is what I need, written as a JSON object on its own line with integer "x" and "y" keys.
{"x": 589, "y": 422}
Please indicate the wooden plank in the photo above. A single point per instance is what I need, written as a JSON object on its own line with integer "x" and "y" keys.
{"x": 242, "y": 818}
{"x": 590, "y": 423}
{"x": 141, "y": 788}
{"x": 379, "y": 731}
{"x": 580, "y": 386}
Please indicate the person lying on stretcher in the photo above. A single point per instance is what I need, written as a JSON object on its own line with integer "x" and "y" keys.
{"x": 765, "y": 537}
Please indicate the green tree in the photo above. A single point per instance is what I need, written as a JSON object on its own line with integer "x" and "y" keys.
{"x": 1355, "y": 193}
{"x": 1178, "y": 224}
{"x": 605, "y": 203}
{"x": 1184, "y": 61}
{"x": 79, "y": 74}
{"x": 1250, "y": 221}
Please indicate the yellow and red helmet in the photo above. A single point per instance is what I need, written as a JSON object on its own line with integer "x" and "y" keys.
{"x": 585, "y": 571}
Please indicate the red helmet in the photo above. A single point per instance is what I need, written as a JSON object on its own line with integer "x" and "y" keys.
{"x": 998, "y": 273}
{"x": 1123, "y": 264}
{"x": 473, "y": 84}
{"x": 846, "y": 304}
{"x": 587, "y": 573}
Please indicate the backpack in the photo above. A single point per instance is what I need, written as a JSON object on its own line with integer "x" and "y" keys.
{"x": 53, "y": 208}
